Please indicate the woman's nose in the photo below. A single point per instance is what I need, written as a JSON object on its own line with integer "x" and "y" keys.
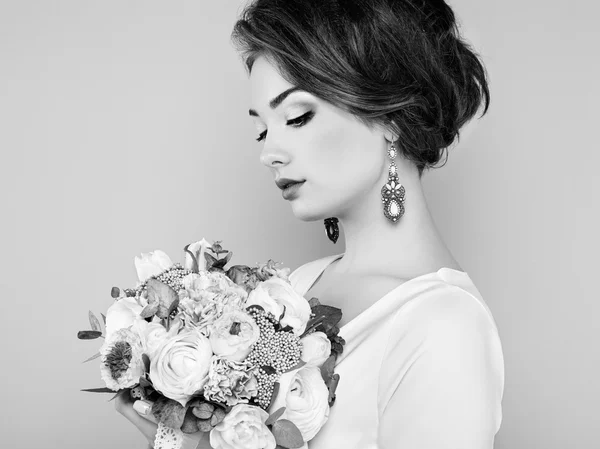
{"x": 273, "y": 156}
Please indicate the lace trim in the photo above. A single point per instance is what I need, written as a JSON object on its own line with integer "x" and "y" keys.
{"x": 168, "y": 438}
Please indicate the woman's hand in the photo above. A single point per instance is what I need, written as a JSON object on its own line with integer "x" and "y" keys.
{"x": 138, "y": 412}
{"x": 146, "y": 423}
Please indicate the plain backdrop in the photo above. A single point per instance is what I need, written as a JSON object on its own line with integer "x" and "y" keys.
{"x": 124, "y": 129}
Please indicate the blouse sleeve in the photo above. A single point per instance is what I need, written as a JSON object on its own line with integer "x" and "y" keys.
{"x": 442, "y": 375}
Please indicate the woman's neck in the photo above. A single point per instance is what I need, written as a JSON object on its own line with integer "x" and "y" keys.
{"x": 409, "y": 248}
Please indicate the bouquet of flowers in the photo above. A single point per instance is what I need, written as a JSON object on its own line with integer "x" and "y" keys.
{"x": 235, "y": 352}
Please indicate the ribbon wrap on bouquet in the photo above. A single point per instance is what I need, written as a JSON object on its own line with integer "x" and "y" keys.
{"x": 169, "y": 438}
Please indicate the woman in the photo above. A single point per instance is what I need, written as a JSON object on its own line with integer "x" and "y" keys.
{"x": 352, "y": 101}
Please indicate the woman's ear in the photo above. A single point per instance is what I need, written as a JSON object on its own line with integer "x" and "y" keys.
{"x": 389, "y": 132}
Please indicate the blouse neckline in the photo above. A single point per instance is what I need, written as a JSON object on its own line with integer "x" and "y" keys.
{"x": 442, "y": 274}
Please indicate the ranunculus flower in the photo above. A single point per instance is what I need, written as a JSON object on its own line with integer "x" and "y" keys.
{"x": 121, "y": 364}
{"x": 243, "y": 428}
{"x": 305, "y": 396}
{"x": 180, "y": 365}
{"x": 121, "y": 314}
{"x": 197, "y": 250}
{"x": 233, "y": 334}
{"x": 316, "y": 348}
{"x": 276, "y": 296}
{"x": 151, "y": 264}
{"x": 230, "y": 382}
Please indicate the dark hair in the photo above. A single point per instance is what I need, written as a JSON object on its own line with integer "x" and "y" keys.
{"x": 398, "y": 63}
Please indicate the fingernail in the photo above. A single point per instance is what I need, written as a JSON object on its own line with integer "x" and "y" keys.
{"x": 142, "y": 406}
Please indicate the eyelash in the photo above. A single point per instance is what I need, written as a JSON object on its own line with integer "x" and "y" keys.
{"x": 295, "y": 122}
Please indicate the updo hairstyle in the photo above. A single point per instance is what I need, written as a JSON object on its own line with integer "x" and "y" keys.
{"x": 397, "y": 63}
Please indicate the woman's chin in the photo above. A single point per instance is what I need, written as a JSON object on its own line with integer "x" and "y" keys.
{"x": 304, "y": 212}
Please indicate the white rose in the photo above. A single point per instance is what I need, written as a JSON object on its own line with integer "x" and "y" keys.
{"x": 121, "y": 314}
{"x": 152, "y": 264}
{"x": 276, "y": 296}
{"x": 153, "y": 335}
{"x": 316, "y": 348}
{"x": 243, "y": 428}
{"x": 305, "y": 397}
{"x": 180, "y": 365}
{"x": 194, "y": 255}
{"x": 233, "y": 334}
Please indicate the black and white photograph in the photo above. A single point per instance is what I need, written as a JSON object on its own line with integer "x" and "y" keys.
{"x": 299, "y": 224}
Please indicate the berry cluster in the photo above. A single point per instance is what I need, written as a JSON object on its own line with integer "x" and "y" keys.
{"x": 274, "y": 353}
{"x": 172, "y": 276}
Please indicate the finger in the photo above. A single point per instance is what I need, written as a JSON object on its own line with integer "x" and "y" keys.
{"x": 144, "y": 409}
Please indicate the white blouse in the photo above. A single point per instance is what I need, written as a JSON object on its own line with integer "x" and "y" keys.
{"x": 424, "y": 363}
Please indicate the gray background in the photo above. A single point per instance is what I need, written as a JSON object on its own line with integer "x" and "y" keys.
{"x": 124, "y": 128}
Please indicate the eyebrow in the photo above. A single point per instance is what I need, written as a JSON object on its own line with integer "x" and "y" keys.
{"x": 277, "y": 100}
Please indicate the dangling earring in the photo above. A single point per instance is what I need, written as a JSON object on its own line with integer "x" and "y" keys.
{"x": 392, "y": 193}
{"x": 333, "y": 231}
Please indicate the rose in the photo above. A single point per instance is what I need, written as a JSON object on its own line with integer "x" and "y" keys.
{"x": 233, "y": 334}
{"x": 152, "y": 335}
{"x": 305, "y": 397}
{"x": 194, "y": 255}
{"x": 243, "y": 428}
{"x": 316, "y": 348}
{"x": 152, "y": 264}
{"x": 277, "y": 296}
{"x": 180, "y": 366}
{"x": 121, "y": 314}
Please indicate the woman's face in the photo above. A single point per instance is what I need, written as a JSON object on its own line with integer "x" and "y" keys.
{"x": 342, "y": 161}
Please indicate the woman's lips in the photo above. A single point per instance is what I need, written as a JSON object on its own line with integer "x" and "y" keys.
{"x": 291, "y": 191}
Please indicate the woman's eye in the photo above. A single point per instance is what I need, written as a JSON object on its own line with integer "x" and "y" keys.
{"x": 262, "y": 136}
{"x": 302, "y": 120}
{"x": 295, "y": 122}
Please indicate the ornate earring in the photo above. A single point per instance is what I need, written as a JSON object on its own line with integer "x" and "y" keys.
{"x": 392, "y": 193}
{"x": 333, "y": 231}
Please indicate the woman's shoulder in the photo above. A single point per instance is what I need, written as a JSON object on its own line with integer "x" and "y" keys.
{"x": 446, "y": 313}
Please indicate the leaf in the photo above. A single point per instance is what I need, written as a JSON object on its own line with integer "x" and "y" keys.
{"x": 298, "y": 365}
{"x": 228, "y": 257}
{"x": 276, "y": 387}
{"x": 274, "y": 416}
{"x": 95, "y": 356}
{"x": 161, "y": 294}
{"x": 332, "y": 387}
{"x": 88, "y": 335}
{"x": 173, "y": 306}
{"x": 149, "y": 311}
{"x": 146, "y": 361}
{"x": 94, "y": 321}
{"x": 98, "y": 390}
{"x": 210, "y": 261}
{"x": 171, "y": 413}
{"x": 327, "y": 368}
{"x": 282, "y": 313}
{"x": 103, "y": 318}
{"x": 115, "y": 292}
{"x": 269, "y": 369}
{"x": 287, "y": 434}
{"x": 145, "y": 382}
